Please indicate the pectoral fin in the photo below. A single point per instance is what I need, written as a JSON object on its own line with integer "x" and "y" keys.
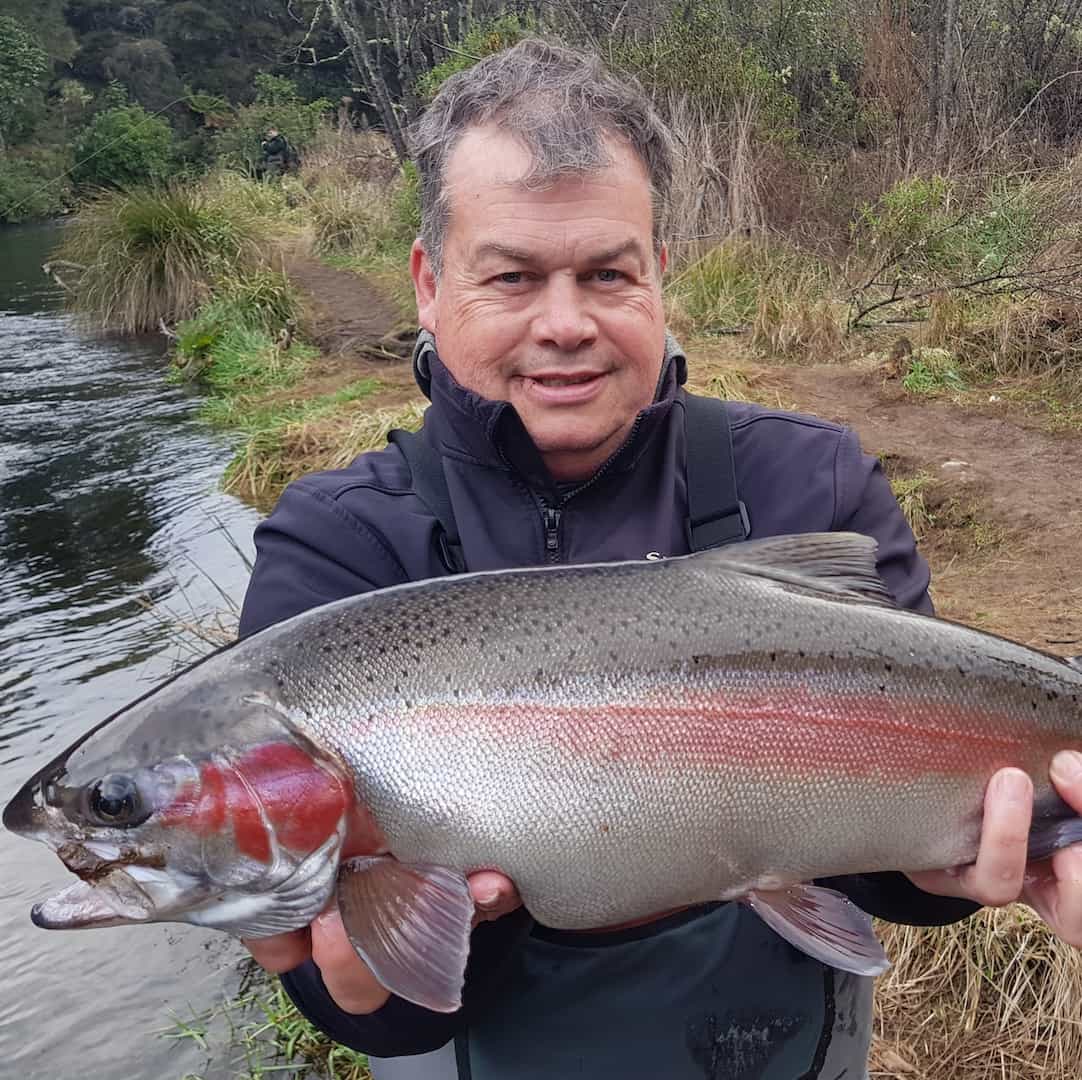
{"x": 411, "y": 925}
{"x": 824, "y": 924}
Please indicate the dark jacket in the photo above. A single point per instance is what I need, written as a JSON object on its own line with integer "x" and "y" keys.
{"x": 338, "y": 533}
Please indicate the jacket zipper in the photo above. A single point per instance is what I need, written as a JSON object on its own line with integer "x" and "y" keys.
{"x": 551, "y": 515}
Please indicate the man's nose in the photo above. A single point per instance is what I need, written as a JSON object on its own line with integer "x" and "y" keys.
{"x": 564, "y": 319}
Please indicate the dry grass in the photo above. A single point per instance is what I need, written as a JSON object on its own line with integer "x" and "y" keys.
{"x": 275, "y": 457}
{"x": 365, "y": 156}
{"x": 992, "y": 998}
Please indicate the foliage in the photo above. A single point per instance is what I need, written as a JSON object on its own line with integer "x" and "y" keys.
{"x": 932, "y": 371}
{"x": 32, "y": 187}
{"x": 23, "y": 63}
{"x": 243, "y": 316}
{"x": 123, "y": 146}
{"x": 375, "y": 222}
{"x": 278, "y": 104}
{"x": 696, "y": 54}
{"x": 933, "y": 226}
{"x": 155, "y": 254}
{"x": 483, "y": 39}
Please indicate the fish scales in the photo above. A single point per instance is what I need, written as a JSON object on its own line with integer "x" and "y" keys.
{"x": 625, "y": 739}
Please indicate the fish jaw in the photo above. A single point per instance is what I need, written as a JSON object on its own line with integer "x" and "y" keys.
{"x": 116, "y": 898}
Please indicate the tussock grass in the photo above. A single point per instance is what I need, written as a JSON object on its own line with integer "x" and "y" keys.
{"x": 994, "y": 997}
{"x": 933, "y": 371}
{"x": 154, "y": 255}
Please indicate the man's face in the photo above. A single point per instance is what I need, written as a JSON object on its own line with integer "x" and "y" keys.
{"x": 549, "y": 299}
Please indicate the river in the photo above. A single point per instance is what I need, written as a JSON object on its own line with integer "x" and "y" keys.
{"x": 108, "y": 496}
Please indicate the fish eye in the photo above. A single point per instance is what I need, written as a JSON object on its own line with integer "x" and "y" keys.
{"x": 115, "y": 801}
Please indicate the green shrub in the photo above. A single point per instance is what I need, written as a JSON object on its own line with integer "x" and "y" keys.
{"x": 23, "y": 66}
{"x": 258, "y": 304}
{"x": 156, "y": 254}
{"x": 30, "y": 191}
{"x": 930, "y": 227}
{"x": 932, "y": 371}
{"x": 694, "y": 55}
{"x": 122, "y": 147}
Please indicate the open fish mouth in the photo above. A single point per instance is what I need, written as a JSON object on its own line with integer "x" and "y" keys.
{"x": 112, "y": 899}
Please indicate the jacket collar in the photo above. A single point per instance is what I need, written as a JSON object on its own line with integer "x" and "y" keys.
{"x": 465, "y": 424}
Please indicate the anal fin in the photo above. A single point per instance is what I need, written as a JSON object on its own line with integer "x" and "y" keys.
{"x": 823, "y": 923}
{"x": 410, "y": 924}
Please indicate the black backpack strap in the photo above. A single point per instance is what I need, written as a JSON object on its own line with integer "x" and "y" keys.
{"x": 716, "y": 516}
{"x": 430, "y": 486}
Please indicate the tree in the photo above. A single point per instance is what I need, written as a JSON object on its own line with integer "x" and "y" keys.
{"x": 23, "y": 64}
{"x": 123, "y": 146}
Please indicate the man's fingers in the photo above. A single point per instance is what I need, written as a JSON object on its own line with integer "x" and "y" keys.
{"x": 345, "y": 975}
{"x": 998, "y": 874}
{"x": 1066, "y": 773}
{"x": 996, "y": 878}
{"x": 282, "y": 952}
{"x": 493, "y": 894}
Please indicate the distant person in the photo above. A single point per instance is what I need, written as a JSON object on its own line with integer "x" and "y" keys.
{"x": 277, "y": 153}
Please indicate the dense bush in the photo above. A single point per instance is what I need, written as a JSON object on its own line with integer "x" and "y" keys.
{"x": 23, "y": 64}
{"x": 123, "y": 146}
{"x": 32, "y": 187}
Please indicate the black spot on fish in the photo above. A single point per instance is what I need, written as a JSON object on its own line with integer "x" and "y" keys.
{"x": 773, "y": 657}
{"x": 886, "y": 667}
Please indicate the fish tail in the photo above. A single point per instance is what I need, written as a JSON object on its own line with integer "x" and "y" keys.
{"x": 1055, "y": 825}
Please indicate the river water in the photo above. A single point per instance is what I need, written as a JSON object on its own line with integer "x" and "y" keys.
{"x": 108, "y": 495}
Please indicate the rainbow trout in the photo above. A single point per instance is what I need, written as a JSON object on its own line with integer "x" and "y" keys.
{"x": 620, "y": 739}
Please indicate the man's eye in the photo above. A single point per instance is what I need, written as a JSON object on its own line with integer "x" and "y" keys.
{"x": 512, "y": 277}
{"x": 609, "y": 276}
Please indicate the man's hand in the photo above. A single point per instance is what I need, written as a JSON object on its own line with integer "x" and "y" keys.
{"x": 1001, "y": 875}
{"x": 348, "y": 980}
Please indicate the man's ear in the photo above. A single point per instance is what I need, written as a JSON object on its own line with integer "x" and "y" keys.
{"x": 663, "y": 258}
{"x": 424, "y": 287}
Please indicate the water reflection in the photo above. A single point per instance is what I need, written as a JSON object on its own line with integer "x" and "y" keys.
{"x": 108, "y": 499}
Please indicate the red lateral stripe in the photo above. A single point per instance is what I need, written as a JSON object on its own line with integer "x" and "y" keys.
{"x": 796, "y": 729}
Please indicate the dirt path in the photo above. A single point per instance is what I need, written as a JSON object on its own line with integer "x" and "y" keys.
{"x": 348, "y": 317}
{"x": 1006, "y": 510}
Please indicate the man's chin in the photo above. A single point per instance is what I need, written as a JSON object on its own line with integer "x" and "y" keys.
{"x": 575, "y": 456}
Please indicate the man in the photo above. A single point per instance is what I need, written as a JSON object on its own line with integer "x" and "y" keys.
{"x": 276, "y": 153}
{"x": 559, "y": 419}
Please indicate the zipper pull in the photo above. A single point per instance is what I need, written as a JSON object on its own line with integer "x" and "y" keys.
{"x": 552, "y": 532}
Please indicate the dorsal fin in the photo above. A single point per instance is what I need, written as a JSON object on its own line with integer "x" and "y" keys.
{"x": 1074, "y": 661}
{"x": 834, "y": 562}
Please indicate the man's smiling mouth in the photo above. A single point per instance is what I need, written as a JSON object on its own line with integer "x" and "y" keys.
{"x": 566, "y": 380}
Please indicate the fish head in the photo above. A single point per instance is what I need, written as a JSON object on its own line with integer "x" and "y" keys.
{"x": 197, "y": 803}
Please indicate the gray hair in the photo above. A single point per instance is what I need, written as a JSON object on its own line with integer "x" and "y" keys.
{"x": 560, "y": 103}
